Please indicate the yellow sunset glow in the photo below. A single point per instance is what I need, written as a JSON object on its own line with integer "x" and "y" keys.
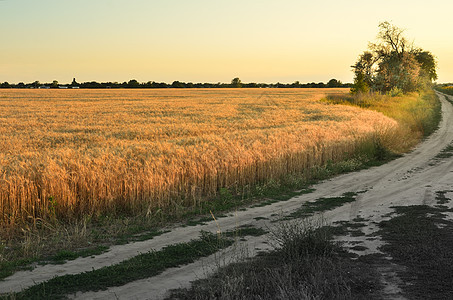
{"x": 207, "y": 41}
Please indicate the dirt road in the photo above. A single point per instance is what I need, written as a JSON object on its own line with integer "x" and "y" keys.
{"x": 410, "y": 180}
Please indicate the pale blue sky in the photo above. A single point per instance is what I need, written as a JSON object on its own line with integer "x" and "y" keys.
{"x": 207, "y": 41}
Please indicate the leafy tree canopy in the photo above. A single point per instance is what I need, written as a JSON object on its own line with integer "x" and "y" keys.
{"x": 236, "y": 83}
{"x": 393, "y": 64}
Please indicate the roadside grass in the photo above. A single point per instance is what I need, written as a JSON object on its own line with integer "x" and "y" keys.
{"x": 321, "y": 205}
{"x": 306, "y": 264}
{"x": 57, "y": 248}
{"x": 63, "y": 256}
{"x": 8, "y": 268}
{"x": 417, "y": 115}
{"x": 245, "y": 230}
{"x": 144, "y": 265}
{"x": 421, "y": 239}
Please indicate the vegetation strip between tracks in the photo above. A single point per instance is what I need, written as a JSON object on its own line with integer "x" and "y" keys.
{"x": 142, "y": 266}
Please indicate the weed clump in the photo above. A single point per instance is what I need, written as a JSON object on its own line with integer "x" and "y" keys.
{"x": 306, "y": 264}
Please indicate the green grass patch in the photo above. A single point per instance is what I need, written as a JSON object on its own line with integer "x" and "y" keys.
{"x": 141, "y": 266}
{"x": 246, "y": 230}
{"x": 8, "y": 268}
{"x": 64, "y": 255}
{"x": 322, "y": 204}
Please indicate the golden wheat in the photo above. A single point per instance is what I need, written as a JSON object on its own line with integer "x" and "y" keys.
{"x": 70, "y": 153}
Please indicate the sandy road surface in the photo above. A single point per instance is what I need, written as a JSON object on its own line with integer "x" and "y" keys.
{"x": 410, "y": 180}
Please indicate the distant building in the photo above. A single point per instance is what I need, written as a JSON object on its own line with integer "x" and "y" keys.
{"x": 74, "y": 82}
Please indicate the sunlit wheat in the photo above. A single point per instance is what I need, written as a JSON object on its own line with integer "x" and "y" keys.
{"x": 70, "y": 153}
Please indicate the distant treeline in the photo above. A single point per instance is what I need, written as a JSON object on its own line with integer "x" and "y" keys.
{"x": 133, "y": 84}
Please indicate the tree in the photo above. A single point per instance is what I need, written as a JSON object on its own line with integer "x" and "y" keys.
{"x": 392, "y": 64}
{"x": 236, "y": 83}
{"x": 334, "y": 83}
{"x": 5, "y": 85}
{"x": 177, "y": 84}
{"x": 54, "y": 84}
{"x": 133, "y": 84}
{"x": 397, "y": 71}
{"x": 427, "y": 63}
{"x": 392, "y": 40}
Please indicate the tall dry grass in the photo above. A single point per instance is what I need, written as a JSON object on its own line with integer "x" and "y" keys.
{"x": 417, "y": 115}
{"x": 65, "y": 154}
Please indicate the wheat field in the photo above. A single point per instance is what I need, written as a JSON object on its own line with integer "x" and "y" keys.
{"x": 66, "y": 154}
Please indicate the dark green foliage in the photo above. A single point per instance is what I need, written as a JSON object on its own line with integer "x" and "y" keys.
{"x": 236, "y": 83}
{"x": 391, "y": 66}
{"x": 427, "y": 63}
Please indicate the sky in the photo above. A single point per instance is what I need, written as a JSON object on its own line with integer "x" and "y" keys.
{"x": 208, "y": 40}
